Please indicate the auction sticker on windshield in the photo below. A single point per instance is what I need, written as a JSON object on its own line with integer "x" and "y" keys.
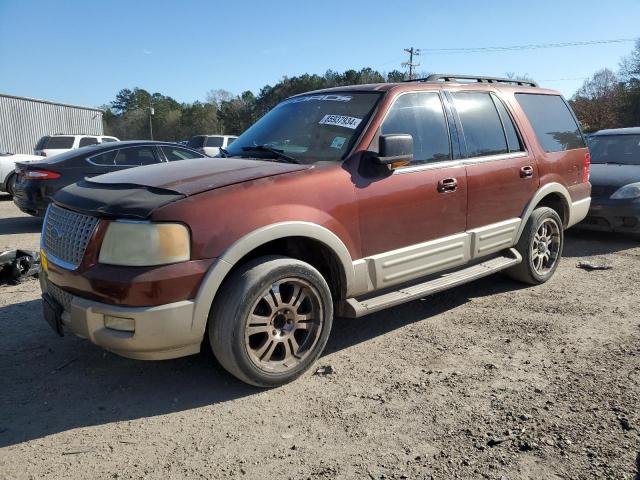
{"x": 341, "y": 121}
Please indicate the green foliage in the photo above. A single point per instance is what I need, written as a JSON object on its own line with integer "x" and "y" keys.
{"x": 127, "y": 117}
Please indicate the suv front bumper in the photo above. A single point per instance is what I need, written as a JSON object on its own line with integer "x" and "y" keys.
{"x": 161, "y": 332}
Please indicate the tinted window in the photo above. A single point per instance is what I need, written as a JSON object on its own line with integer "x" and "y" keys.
{"x": 621, "y": 149}
{"x": 84, "y": 141}
{"x": 421, "y": 116}
{"x": 230, "y": 141}
{"x": 41, "y": 143}
{"x": 59, "y": 142}
{"x": 552, "y": 121}
{"x": 196, "y": 142}
{"x": 214, "y": 141}
{"x": 136, "y": 156}
{"x": 106, "y": 158}
{"x": 513, "y": 140}
{"x": 481, "y": 124}
{"x": 108, "y": 139}
{"x": 173, "y": 154}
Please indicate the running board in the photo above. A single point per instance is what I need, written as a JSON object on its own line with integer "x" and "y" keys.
{"x": 353, "y": 308}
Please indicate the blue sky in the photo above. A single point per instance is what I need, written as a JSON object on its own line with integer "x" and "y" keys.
{"x": 84, "y": 52}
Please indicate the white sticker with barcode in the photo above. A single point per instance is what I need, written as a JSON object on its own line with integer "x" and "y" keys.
{"x": 341, "y": 121}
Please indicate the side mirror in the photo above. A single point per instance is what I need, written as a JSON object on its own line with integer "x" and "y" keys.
{"x": 395, "y": 150}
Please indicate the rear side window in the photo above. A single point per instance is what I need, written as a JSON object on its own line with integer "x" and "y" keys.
{"x": 59, "y": 142}
{"x": 42, "y": 142}
{"x": 214, "y": 141}
{"x": 136, "y": 156}
{"x": 106, "y": 158}
{"x": 174, "y": 153}
{"x": 553, "y": 122}
{"x": 481, "y": 124}
{"x": 84, "y": 141}
{"x": 421, "y": 115}
{"x": 108, "y": 139}
{"x": 513, "y": 140}
{"x": 231, "y": 140}
{"x": 196, "y": 142}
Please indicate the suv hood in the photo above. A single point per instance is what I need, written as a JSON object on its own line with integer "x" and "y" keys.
{"x": 189, "y": 177}
{"x": 137, "y": 192}
{"x": 614, "y": 175}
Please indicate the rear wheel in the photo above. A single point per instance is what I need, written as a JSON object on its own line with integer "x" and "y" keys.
{"x": 541, "y": 246}
{"x": 10, "y": 185}
{"x": 271, "y": 320}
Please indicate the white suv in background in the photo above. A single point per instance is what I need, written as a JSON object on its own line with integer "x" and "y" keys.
{"x": 50, "y": 145}
{"x": 210, "y": 145}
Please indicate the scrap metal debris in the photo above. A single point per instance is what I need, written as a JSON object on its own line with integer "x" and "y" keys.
{"x": 326, "y": 370}
{"x": 588, "y": 266}
{"x": 18, "y": 264}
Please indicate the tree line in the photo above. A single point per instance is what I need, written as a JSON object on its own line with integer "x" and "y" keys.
{"x": 128, "y": 116}
{"x": 608, "y": 99}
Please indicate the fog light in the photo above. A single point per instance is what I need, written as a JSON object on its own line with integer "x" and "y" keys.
{"x": 120, "y": 323}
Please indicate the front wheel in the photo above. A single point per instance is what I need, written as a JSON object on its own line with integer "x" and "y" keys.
{"x": 271, "y": 320}
{"x": 541, "y": 246}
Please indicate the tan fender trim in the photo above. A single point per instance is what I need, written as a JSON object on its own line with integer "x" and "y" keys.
{"x": 253, "y": 240}
{"x": 537, "y": 198}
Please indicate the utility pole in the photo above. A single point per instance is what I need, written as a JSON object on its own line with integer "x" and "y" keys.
{"x": 412, "y": 52}
{"x": 151, "y": 113}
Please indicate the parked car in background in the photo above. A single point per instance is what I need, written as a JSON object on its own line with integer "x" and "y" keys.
{"x": 50, "y": 145}
{"x": 37, "y": 182}
{"x": 8, "y": 166}
{"x": 615, "y": 177}
{"x": 211, "y": 144}
{"x": 358, "y": 198}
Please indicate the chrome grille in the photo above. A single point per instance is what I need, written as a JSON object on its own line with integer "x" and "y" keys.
{"x": 62, "y": 297}
{"x": 65, "y": 235}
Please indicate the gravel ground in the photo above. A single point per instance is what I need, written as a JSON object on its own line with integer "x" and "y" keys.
{"x": 490, "y": 380}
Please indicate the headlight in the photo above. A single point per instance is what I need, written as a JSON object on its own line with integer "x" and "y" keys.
{"x": 628, "y": 191}
{"x": 138, "y": 244}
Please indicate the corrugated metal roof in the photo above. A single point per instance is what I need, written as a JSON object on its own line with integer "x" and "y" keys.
{"x": 50, "y": 103}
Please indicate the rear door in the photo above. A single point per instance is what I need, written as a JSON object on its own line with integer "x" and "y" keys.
{"x": 412, "y": 221}
{"x": 502, "y": 173}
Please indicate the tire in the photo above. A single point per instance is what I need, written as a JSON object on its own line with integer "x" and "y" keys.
{"x": 532, "y": 270}
{"x": 271, "y": 320}
{"x": 10, "y": 184}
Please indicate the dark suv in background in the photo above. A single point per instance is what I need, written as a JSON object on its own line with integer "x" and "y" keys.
{"x": 37, "y": 182}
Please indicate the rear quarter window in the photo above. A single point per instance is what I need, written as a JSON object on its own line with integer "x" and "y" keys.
{"x": 552, "y": 120}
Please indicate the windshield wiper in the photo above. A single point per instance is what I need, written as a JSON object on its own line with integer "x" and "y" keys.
{"x": 278, "y": 153}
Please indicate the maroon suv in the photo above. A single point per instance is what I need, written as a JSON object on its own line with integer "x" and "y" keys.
{"x": 346, "y": 200}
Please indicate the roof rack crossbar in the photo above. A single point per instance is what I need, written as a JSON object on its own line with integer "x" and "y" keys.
{"x": 442, "y": 77}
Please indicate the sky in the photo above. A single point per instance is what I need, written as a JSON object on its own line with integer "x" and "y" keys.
{"x": 84, "y": 52}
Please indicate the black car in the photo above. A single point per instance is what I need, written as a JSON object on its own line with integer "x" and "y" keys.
{"x": 37, "y": 182}
{"x": 615, "y": 180}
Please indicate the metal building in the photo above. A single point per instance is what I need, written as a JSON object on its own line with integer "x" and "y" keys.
{"x": 23, "y": 121}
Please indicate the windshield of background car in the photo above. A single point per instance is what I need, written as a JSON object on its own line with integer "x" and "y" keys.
{"x": 622, "y": 149}
{"x": 310, "y": 128}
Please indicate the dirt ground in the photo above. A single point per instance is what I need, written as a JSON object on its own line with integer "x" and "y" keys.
{"x": 490, "y": 380}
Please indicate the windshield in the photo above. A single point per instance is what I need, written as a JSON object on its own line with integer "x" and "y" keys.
{"x": 622, "y": 149}
{"x": 309, "y": 128}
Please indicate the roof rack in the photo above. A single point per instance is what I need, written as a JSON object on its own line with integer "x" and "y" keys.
{"x": 442, "y": 77}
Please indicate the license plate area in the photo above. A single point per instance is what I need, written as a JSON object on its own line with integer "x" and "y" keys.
{"x": 52, "y": 312}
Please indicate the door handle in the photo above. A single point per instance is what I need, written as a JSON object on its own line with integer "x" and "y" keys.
{"x": 447, "y": 185}
{"x": 526, "y": 171}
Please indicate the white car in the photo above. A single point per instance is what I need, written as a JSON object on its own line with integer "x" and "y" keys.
{"x": 8, "y": 166}
{"x": 210, "y": 145}
{"x": 50, "y": 145}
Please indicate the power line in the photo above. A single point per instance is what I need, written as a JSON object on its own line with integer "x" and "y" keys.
{"x": 532, "y": 46}
{"x": 412, "y": 52}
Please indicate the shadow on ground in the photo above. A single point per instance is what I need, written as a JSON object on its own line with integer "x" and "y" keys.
{"x": 580, "y": 243}
{"x": 57, "y": 384}
{"x": 13, "y": 225}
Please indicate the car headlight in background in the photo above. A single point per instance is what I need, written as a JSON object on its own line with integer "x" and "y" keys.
{"x": 628, "y": 191}
{"x": 140, "y": 244}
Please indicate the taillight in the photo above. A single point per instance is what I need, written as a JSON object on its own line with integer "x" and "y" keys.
{"x": 41, "y": 174}
{"x": 586, "y": 167}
